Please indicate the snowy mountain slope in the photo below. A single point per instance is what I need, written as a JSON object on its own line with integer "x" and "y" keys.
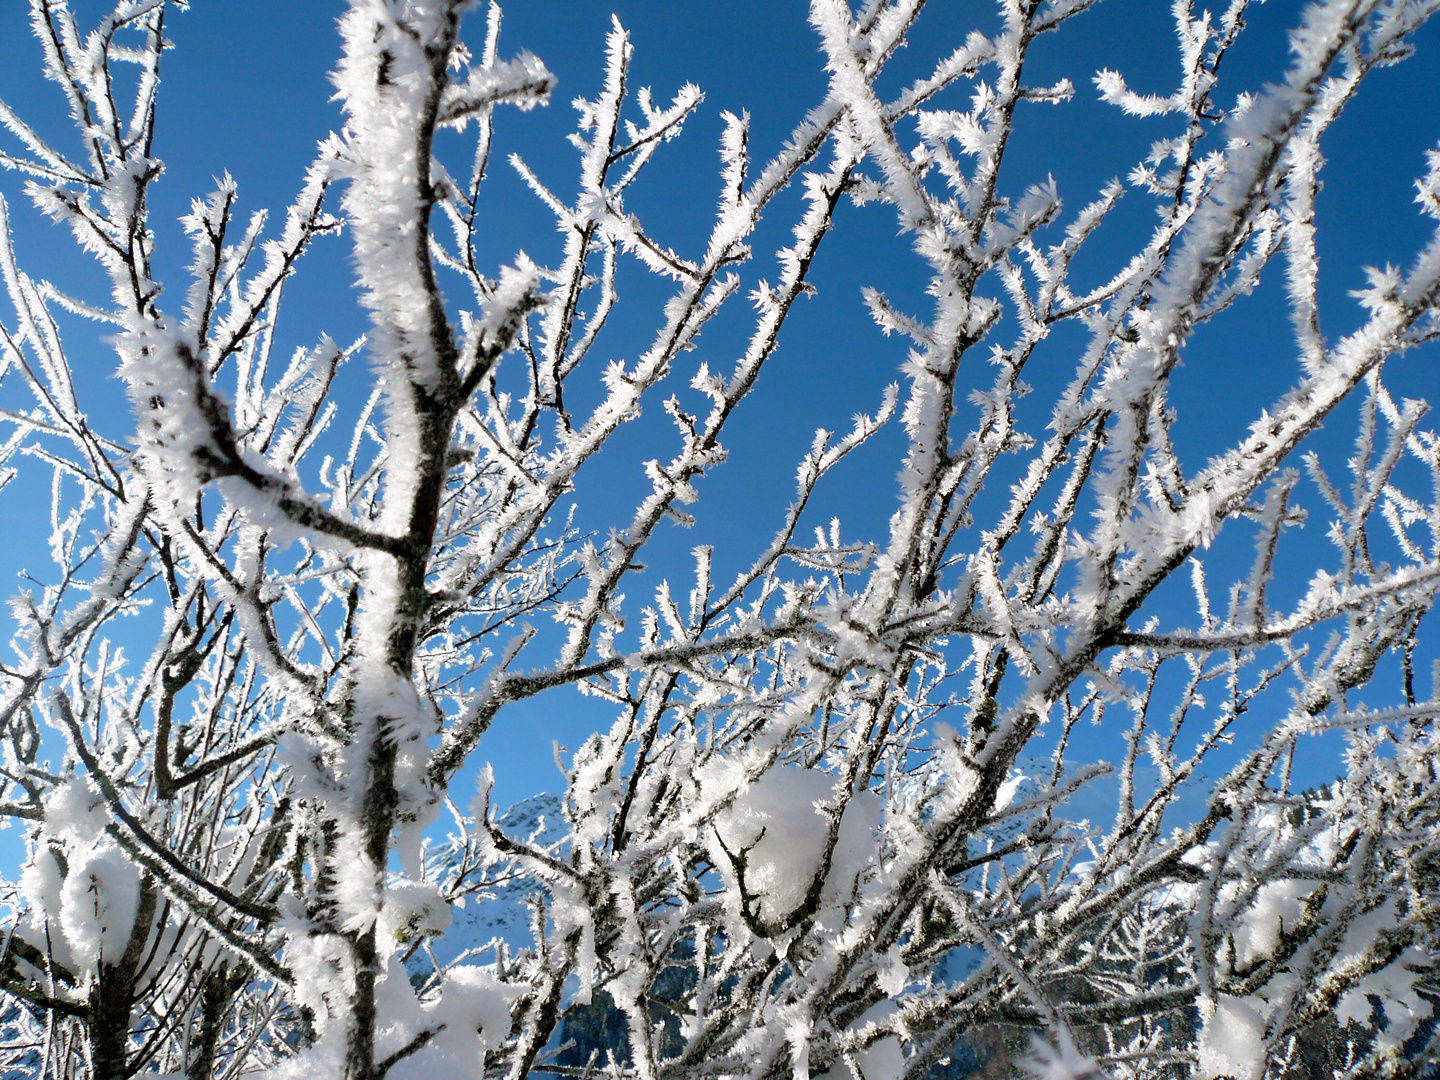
{"x": 499, "y": 911}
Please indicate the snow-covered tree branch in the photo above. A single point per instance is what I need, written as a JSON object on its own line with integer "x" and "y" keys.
{"x": 844, "y": 824}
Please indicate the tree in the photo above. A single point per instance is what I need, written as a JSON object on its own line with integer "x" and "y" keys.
{"x": 820, "y": 791}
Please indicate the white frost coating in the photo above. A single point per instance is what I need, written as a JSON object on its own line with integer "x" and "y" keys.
{"x": 523, "y": 82}
{"x": 666, "y": 875}
{"x": 386, "y": 84}
{"x": 169, "y": 394}
{"x": 399, "y": 1017}
{"x": 324, "y": 972}
{"x": 777, "y": 824}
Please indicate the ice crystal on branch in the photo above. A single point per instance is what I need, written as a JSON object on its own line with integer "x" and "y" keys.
{"x": 845, "y": 821}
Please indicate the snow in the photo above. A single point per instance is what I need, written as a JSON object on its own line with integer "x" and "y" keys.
{"x": 1277, "y": 904}
{"x": 75, "y": 811}
{"x": 499, "y": 911}
{"x": 1395, "y": 986}
{"x": 1060, "y": 1062}
{"x": 98, "y": 903}
{"x": 323, "y": 969}
{"x": 848, "y": 663}
{"x": 40, "y": 881}
{"x": 412, "y": 909}
{"x": 779, "y": 827}
{"x": 473, "y": 1013}
{"x": 1232, "y": 1041}
{"x": 84, "y": 914}
{"x": 883, "y": 1059}
{"x": 470, "y": 1015}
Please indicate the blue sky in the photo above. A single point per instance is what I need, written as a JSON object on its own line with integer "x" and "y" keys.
{"x": 246, "y": 91}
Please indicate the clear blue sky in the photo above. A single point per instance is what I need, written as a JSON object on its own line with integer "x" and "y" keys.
{"x": 246, "y": 91}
